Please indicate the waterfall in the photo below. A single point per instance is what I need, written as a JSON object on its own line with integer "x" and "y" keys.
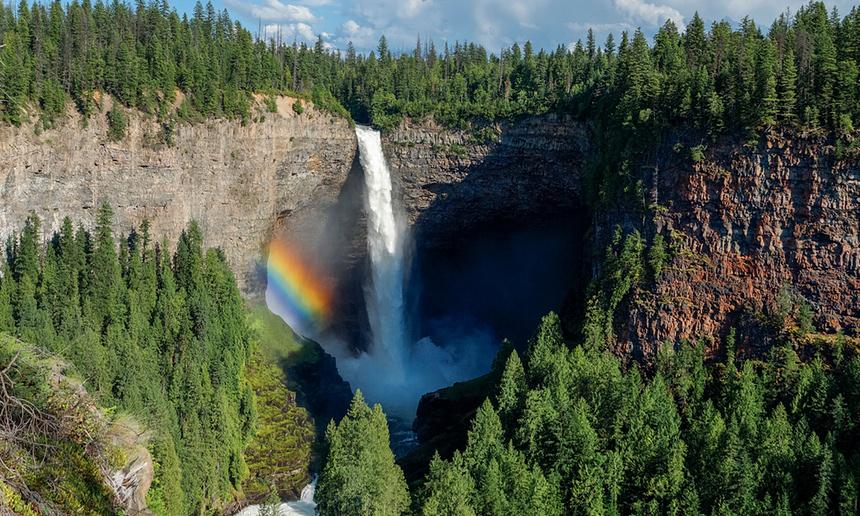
{"x": 304, "y": 506}
{"x": 395, "y": 370}
{"x": 385, "y": 244}
{"x": 307, "y": 495}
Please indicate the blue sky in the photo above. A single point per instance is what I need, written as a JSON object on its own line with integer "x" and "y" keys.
{"x": 494, "y": 23}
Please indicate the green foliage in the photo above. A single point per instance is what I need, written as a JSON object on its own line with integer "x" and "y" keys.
{"x": 693, "y": 437}
{"x": 270, "y": 103}
{"x": 117, "y": 123}
{"x": 298, "y": 107}
{"x": 56, "y": 452}
{"x": 697, "y": 153}
{"x": 324, "y": 100}
{"x": 271, "y": 506}
{"x": 162, "y": 337}
{"x": 804, "y": 68}
{"x": 12, "y": 501}
{"x": 280, "y": 451}
{"x": 793, "y": 311}
{"x": 657, "y": 256}
{"x": 622, "y": 274}
{"x": 52, "y": 102}
{"x": 360, "y": 476}
{"x": 489, "y": 477}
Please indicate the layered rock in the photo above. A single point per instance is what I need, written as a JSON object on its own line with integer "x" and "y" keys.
{"x": 454, "y": 181}
{"x": 747, "y": 222}
{"x": 238, "y": 181}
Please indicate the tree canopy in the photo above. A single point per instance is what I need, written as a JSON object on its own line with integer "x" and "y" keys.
{"x": 163, "y": 337}
{"x": 802, "y": 69}
{"x": 360, "y": 476}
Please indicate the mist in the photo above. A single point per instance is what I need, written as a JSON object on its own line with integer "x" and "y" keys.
{"x": 428, "y": 318}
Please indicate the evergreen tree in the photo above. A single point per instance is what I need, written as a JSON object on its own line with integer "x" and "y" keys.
{"x": 360, "y": 476}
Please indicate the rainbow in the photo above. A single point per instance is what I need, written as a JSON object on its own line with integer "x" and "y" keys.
{"x": 295, "y": 291}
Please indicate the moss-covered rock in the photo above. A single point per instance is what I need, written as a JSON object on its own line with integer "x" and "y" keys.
{"x": 61, "y": 452}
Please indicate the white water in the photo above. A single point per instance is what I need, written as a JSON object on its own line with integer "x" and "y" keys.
{"x": 304, "y": 506}
{"x": 395, "y": 371}
{"x": 385, "y": 245}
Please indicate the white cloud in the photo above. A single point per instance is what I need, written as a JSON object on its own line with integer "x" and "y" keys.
{"x": 493, "y": 23}
{"x": 290, "y": 31}
{"x": 275, "y": 10}
{"x": 361, "y": 36}
{"x": 412, "y": 8}
{"x": 651, "y": 15}
{"x": 600, "y": 30}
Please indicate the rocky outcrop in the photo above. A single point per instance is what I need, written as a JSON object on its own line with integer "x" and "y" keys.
{"x": 92, "y": 457}
{"x": 238, "y": 181}
{"x": 746, "y": 222}
{"x": 452, "y": 182}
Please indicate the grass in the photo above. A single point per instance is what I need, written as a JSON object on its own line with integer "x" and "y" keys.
{"x": 276, "y": 341}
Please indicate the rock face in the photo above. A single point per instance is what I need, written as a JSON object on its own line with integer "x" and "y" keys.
{"x": 237, "y": 181}
{"x": 747, "y": 221}
{"x": 453, "y": 182}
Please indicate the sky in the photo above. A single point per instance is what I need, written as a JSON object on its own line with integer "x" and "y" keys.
{"x": 493, "y": 23}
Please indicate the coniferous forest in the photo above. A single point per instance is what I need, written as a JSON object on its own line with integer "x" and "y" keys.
{"x": 159, "y": 329}
{"x": 158, "y": 335}
{"x": 801, "y": 69}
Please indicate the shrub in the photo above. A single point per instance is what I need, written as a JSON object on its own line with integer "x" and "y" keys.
{"x": 657, "y": 256}
{"x": 323, "y": 99}
{"x": 697, "y": 153}
{"x": 117, "y": 123}
{"x": 298, "y": 107}
{"x": 271, "y": 103}
{"x": 384, "y": 111}
{"x": 52, "y": 101}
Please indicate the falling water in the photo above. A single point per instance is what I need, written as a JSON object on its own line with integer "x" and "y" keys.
{"x": 384, "y": 294}
{"x": 304, "y": 506}
{"x": 396, "y": 370}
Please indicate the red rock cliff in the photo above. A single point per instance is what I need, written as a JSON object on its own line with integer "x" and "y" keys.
{"x": 745, "y": 222}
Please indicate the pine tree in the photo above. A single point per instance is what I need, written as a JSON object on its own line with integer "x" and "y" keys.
{"x": 103, "y": 300}
{"x": 766, "y": 94}
{"x": 786, "y": 87}
{"x": 544, "y": 350}
{"x": 695, "y": 43}
{"x": 511, "y": 392}
{"x": 448, "y": 489}
{"x": 359, "y": 475}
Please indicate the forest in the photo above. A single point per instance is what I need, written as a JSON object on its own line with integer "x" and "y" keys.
{"x": 162, "y": 337}
{"x": 159, "y": 330}
{"x": 801, "y": 70}
{"x": 572, "y": 430}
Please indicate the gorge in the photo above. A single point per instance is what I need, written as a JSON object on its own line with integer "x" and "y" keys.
{"x": 294, "y": 271}
{"x": 507, "y": 201}
{"x": 299, "y": 176}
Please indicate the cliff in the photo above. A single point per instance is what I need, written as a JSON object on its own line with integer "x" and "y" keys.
{"x": 452, "y": 182}
{"x": 746, "y": 219}
{"x": 236, "y": 180}
{"x": 749, "y": 222}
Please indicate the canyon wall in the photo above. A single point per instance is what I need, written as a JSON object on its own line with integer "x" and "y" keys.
{"x": 746, "y": 222}
{"x": 454, "y": 181}
{"x": 238, "y": 181}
